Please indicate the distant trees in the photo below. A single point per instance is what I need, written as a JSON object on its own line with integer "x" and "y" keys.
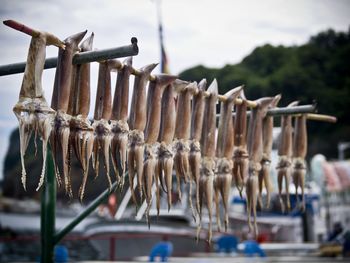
{"x": 318, "y": 70}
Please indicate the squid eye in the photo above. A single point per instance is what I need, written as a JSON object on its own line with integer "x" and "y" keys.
{"x": 23, "y": 114}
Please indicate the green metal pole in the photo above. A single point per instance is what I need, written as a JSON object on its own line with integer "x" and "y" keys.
{"x": 292, "y": 110}
{"x": 48, "y": 203}
{"x": 309, "y": 108}
{"x": 92, "y": 206}
{"x": 43, "y": 222}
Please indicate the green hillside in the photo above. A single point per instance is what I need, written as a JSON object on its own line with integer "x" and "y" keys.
{"x": 318, "y": 70}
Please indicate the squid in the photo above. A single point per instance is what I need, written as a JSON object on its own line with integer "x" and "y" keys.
{"x": 165, "y": 153}
{"x": 182, "y": 136}
{"x": 32, "y": 111}
{"x": 285, "y": 155}
{"x": 299, "y": 153}
{"x": 120, "y": 127}
{"x": 154, "y": 98}
{"x": 206, "y": 181}
{"x": 198, "y": 104}
{"x": 60, "y": 102}
{"x": 264, "y": 174}
{"x": 224, "y": 152}
{"x": 81, "y": 130}
{"x": 255, "y": 150}
{"x": 137, "y": 124}
{"x": 240, "y": 152}
{"x": 102, "y": 128}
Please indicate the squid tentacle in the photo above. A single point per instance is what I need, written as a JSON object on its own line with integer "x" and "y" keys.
{"x": 252, "y": 197}
{"x": 299, "y": 153}
{"x": 149, "y": 176}
{"x": 298, "y": 174}
{"x": 195, "y": 165}
{"x": 102, "y": 143}
{"x": 120, "y": 130}
{"x": 165, "y": 164}
{"x": 222, "y": 185}
{"x": 284, "y": 171}
{"x": 135, "y": 161}
{"x": 264, "y": 179}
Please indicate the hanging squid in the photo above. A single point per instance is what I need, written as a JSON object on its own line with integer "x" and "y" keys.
{"x": 255, "y": 150}
{"x": 166, "y": 136}
{"x": 32, "y": 110}
{"x": 264, "y": 174}
{"x": 206, "y": 181}
{"x": 137, "y": 124}
{"x": 224, "y": 152}
{"x": 299, "y": 153}
{"x": 120, "y": 127}
{"x": 240, "y": 153}
{"x": 285, "y": 155}
{"x": 81, "y": 130}
{"x": 195, "y": 157}
{"x": 60, "y": 102}
{"x": 103, "y": 109}
{"x": 154, "y": 98}
{"x": 182, "y": 136}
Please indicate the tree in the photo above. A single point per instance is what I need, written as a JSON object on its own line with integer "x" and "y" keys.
{"x": 317, "y": 70}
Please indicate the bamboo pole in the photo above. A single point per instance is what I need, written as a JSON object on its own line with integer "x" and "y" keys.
{"x": 321, "y": 117}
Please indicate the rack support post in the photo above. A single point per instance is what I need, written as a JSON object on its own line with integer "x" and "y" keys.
{"x": 48, "y": 203}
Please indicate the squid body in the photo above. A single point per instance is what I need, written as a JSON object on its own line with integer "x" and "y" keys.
{"x": 32, "y": 110}
{"x": 255, "y": 149}
{"x": 224, "y": 153}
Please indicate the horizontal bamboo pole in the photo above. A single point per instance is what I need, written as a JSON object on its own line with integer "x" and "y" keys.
{"x": 321, "y": 117}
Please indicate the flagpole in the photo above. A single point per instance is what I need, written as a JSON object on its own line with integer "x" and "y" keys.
{"x": 163, "y": 57}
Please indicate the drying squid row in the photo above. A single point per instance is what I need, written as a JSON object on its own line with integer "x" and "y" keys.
{"x": 171, "y": 127}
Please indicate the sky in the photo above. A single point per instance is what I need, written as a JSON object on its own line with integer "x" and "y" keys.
{"x": 212, "y": 33}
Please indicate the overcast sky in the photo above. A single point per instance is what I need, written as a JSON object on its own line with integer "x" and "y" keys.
{"x": 213, "y": 33}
